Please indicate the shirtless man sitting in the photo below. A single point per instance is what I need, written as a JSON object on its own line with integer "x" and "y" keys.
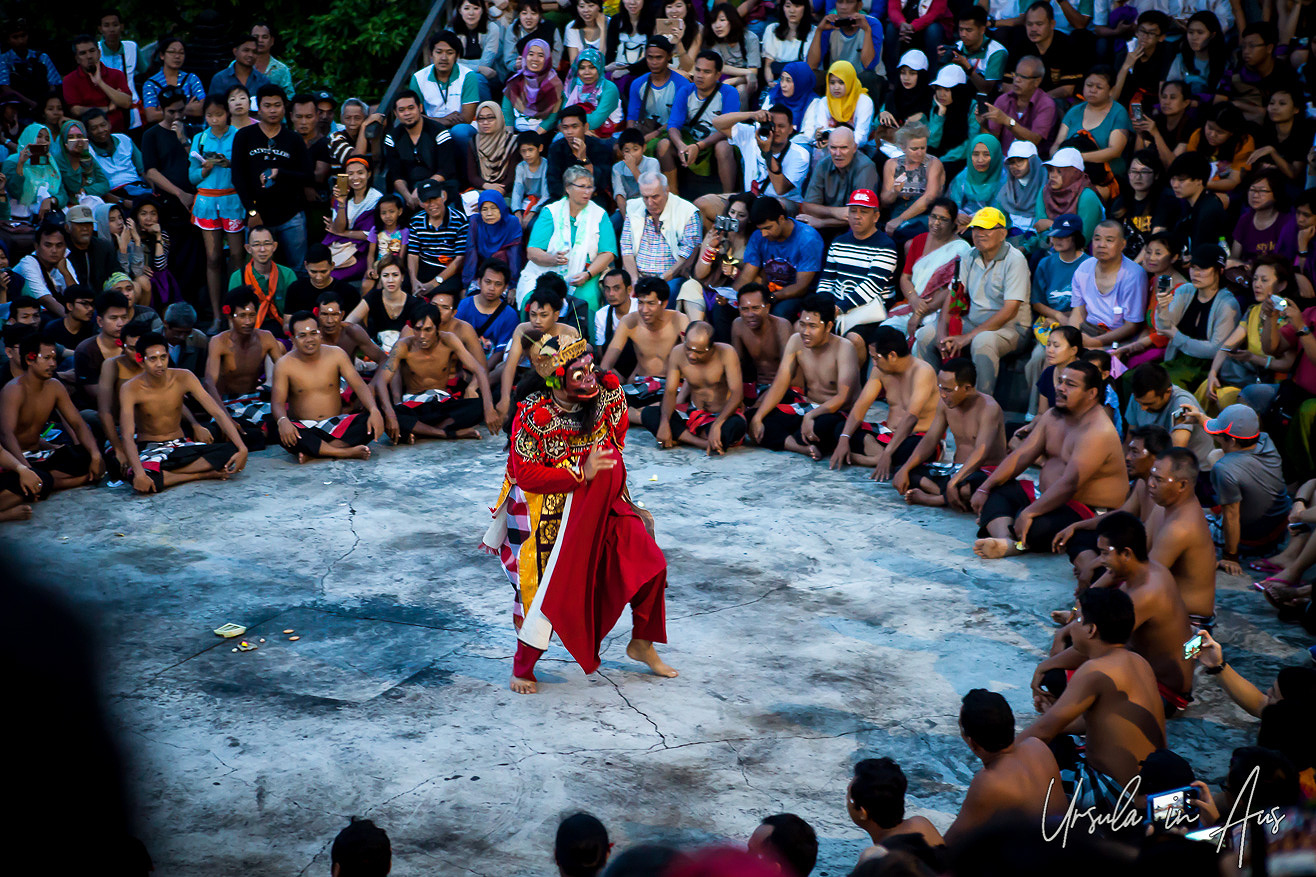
{"x": 759, "y": 337}
{"x": 704, "y": 411}
{"x": 543, "y": 308}
{"x": 653, "y": 331}
{"x": 875, "y": 800}
{"x": 115, "y": 372}
{"x": 351, "y": 337}
{"x": 1020, "y": 777}
{"x": 307, "y": 404}
{"x": 1160, "y": 626}
{"x": 425, "y": 362}
{"x": 27, "y": 405}
{"x": 1114, "y": 693}
{"x": 1141, "y": 447}
{"x": 151, "y": 409}
{"x": 978, "y": 426}
{"x": 237, "y": 365}
{"x": 911, "y": 396}
{"x": 805, "y": 419}
{"x": 461, "y": 380}
{"x": 1083, "y": 474}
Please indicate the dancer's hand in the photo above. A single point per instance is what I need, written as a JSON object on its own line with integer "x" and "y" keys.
{"x": 599, "y": 460}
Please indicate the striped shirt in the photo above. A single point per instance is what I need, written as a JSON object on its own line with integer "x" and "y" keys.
{"x": 437, "y": 247}
{"x": 654, "y": 256}
{"x": 856, "y": 272}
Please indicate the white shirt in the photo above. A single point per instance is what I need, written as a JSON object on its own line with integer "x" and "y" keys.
{"x": 785, "y": 51}
{"x": 794, "y": 164}
{"x": 817, "y": 117}
{"x": 601, "y": 322}
{"x": 38, "y": 283}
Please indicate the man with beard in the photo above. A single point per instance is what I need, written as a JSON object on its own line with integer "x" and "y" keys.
{"x": 151, "y": 409}
{"x": 978, "y": 426}
{"x": 575, "y": 546}
{"x": 308, "y": 405}
{"x": 27, "y": 405}
{"x": 1082, "y": 475}
{"x": 708, "y": 415}
{"x": 236, "y": 365}
{"x": 759, "y": 337}
{"x": 425, "y": 407}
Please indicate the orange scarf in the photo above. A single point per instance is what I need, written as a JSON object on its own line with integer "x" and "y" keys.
{"x": 267, "y": 306}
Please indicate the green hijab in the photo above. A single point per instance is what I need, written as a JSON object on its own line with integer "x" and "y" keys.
{"x": 82, "y": 176}
{"x": 982, "y": 187}
{"x": 37, "y": 175}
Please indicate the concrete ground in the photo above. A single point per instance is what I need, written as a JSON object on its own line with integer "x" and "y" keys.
{"x": 815, "y": 618}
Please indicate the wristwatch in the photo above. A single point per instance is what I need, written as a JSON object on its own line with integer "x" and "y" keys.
{"x": 1013, "y": 123}
{"x": 1305, "y": 330}
{"x": 1216, "y": 670}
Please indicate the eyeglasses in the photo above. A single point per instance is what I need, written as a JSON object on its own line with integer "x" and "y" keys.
{"x": 1144, "y": 172}
{"x": 583, "y": 186}
{"x": 1149, "y": 32}
{"x": 1255, "y": 190}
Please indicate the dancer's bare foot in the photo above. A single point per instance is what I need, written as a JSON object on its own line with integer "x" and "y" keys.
{"x": 471, "y": 433}
{"x": 914, "y": 496}
{"x": 643, "y": 651}
{"x": 1061, "y": 617}
{"x": 360, "y": 452}
{"x": 17, "y": 513}
{"x": 994, "y": 548}
{"x": 524, "y": 686}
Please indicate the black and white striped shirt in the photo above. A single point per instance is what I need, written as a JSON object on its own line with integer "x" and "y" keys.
{"x": 437, "y": 247}
{"x": 856, "y": 272}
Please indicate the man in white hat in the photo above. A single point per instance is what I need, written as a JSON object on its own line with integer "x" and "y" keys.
{"x": 995, "y": 302}
{"x": 1024, "y": 111}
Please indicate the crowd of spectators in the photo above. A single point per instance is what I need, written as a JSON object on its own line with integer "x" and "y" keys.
{"x": 1074, "y": 236}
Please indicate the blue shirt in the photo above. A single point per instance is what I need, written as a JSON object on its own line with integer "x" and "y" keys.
{"x": 665, "y": 95}
{"x": 1053, "y": 281}
{"x": 725, "y": 100}
{"x": 779, "y": 262}
{"x": 190, "y": 83}
{"x": 9, "y": 60}
{"x": 498, "y": 334}
{"x": 226, "y": 79}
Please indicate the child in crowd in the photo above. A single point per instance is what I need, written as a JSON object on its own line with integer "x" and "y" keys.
{"x": 387, "y": 238}
{"x": 530, "y": 188}
{"x": 634, "y": 163}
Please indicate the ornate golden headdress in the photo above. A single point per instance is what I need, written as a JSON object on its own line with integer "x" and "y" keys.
{"x": 550, "y": 357}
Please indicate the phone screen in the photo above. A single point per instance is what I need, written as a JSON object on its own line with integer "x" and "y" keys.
{"x": 1172, "y": 808}
{"x": 1192, "y": 647}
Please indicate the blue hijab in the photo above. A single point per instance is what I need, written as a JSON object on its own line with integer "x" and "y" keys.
{"x": 803, "y": 77}
{"x": 489, "y": 239}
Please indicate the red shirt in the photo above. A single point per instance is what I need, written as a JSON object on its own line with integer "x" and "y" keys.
{"x": 80, "y": 91}
{"x": 1304, "y": 373}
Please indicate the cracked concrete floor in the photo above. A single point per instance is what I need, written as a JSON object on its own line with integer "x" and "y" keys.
{"x": 815, "y": 618}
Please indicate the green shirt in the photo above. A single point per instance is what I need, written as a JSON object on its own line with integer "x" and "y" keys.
{"x": 542, "y": 232}
{"x": 286, "y": 279}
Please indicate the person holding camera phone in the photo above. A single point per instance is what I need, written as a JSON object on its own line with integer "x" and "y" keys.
{"x": 33, "y": 176}
{"x": 980, "y": 57}
{"x": 720, "y": 258}
{"x": 846, "y": 35}
{"x": 217, "y": 210}
{"x": 1242, "y": 360}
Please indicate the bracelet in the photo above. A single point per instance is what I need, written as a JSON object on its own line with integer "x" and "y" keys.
{"x": 1268, "y": 359}
{"x": 1216, "y": 670}
{"x": 1229, "y": 555}
{"x": 845, "y": 435}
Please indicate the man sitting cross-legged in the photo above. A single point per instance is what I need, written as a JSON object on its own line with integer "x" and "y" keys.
{"x": 425, "y": 407}
{"x": 351, "y": 337}
{"x": 1020, "y": 777}
{"x": 804, "y": 416}
{"x": 759, "y": 337}
{"x": 1114, "y": 693}
{"x": 708, "y": 414}
{"x": 1160, "y": 626}
{"x": 307, "y": 404}
{"x": 1082, "y": 476}
{"x": 151, "y": 408}
{"x": 27, "y": 405}
{"x": 978, "y": 426}
{"x": 240, "y": 360}
{"x": 911, "y": 396}
{"x": 653, "y": 331}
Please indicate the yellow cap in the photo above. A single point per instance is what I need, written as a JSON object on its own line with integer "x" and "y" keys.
{"x": 988, "y": 217}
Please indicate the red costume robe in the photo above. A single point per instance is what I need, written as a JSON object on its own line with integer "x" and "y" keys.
{"x": 576, "y": 551}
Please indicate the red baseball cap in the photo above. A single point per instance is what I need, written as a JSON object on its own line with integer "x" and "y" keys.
{"x": 863, "y": 198}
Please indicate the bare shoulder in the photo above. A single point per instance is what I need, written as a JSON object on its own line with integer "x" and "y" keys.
{"x": 452, "y": 339}
{"x": 221, "y": 342}
{"x": 629, "y": 321}
{"x": 737, "y": 328}
{"x": 680, "y": 320}
{"x": 781, "y": 324}
{"x": 267, "y": 341}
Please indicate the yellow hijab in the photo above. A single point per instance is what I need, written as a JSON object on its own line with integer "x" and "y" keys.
{"x": 842, "y": 110}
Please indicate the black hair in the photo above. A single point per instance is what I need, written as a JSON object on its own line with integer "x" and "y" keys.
{"x": 760, "y": 289}
{"x": 1264, "y": 29}
{"x": 977, "y": 14}
{"x": 444, "y": 36}
{"x": 242, "y": 88}
{"x": 48, "y": 228}
{"x": 782, "y": 110}
{"x": 146, "y": 340}
{"x": 302, "y": 97}
{"x": 241, "y": 37}
{"x": 965, "y": 372}
{"x": 213, "y": 100}
{"x": 946, "y": 203}
{"x": 1105, "y": 71}
{"x": 498, "y": 266}
{"x": 630, "y": 137}
{"x": 887, "y": 340}
{"x": 1296, "y": 683}
{"x": 765, "y": 210}
{"x": 531, "y": 137}
{"x": 24, "y": 303}
{"x": 1190, "y": 166}
{"x": 112, "y": 299}
{"x": 1111, "y": 611}
{"x": 1273, "y": 178}
{"x": 986, "y": 718}
{"x": 396, "y": 200}
{"x": 782, "y": 27}
{"x": 82, "y": 39}
{"x": 427, "y": 311}
{"x": 170, "y": 95}
{"x": 318, "y": 253}
{"x": 1092, "y": 379}
{"x": 328, "y": 297}
{"x": 1044, "y": 5}
{"x": 239, "y": 297}
{"x": 710, "y": 55}
{"x": 581, "y": 846}
{"x": 458, "y": 25}
{"x": 735, "y": 36}
{"x": 1071, "y": 334}
{"x": 816, "y": 302}
{"x": 1156, "y": 17}
{"x": 616, "y": 270}
{"x": 1152, "y": 159}
{"x": 405, "y": 94}
{"x": 794, "y": 841}
{"x": 1150, "y": 377}
{"x": 361, "y": 850}
{"x": 879, "y": 790}
{"x": 1277, "y": 783}
{"x": 1286, "y": 727}
{"x": 73, "y": 292}
{"x": 14, "y": 333}
{"x": 544, "y": 296}
{"x": 30, "y": 346}
{"x": 138, "y": 328}
{"x": 92, "y": 114}
{"x": 575, "y": 111}
{"x": 301, "y": 317}
{"x": 655, "y": 285}
{"x": 1124, "y": 531}
{"x": 1155, "y": 439}
{"x": 269, "y": 89}
{"x": 1184, "y": 464}
{"x": 1217, "y": 52}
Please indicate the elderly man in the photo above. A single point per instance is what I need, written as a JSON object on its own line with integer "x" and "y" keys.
{"x": 660, "y": 233}
{"x": 987, "y": 311}
{"x": 92, "y": 85}
{"x": 1025, "y": 111}
{"x": 1109, "y": 291}
{"x": 92, "y": 258}
{"x": 844, "y": 170}
{"x": 691, "y": 138}
{"x": 188, "y": 345}
{"x": 860, "y": 266}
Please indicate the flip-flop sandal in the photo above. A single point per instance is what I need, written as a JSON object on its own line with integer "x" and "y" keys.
{"x": 1264, "y": 565}
{"x": 1270, "y": 598}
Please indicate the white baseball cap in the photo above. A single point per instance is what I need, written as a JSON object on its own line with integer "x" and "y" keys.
{"x": 914, "y": 59}
{"x": 950, "y": 76}
{"x": 1067, "y": 157}
{"x": 1021, "y": 149}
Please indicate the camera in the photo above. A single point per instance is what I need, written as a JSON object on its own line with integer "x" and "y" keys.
{"x": 726, "y": 223}
{"x": 765, "y": 129}
{"x": 845, "y": 22}
{"x": 1278, "y": 302}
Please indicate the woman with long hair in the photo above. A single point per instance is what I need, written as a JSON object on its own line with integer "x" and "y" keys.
{"x": 1267, "y": 226}
{"x": 1197, "y": 317}
{"x": 1202, "y": 57}
{"x": 533, "y": 95}
{"x": 1172, "y": 123}
{"x": 628, "y": 34}
{"x": 1286, "y": 135}
{"x": 951, "y": 121}
{"x": 588, "y": 28}
{"x": 1242, "y": 360}
{"x": 353, "y": 220}
{"x": 528, "y": 24}
{"x": 482, "y": 40}
{"x": 725, "y": 33}
{"x": 238, "y": 101}
{"x": 786, "y": 40}
{"x": 687, "y": 37}
{"x": 385, "y": 311}
{"x": 1145, "y": 205}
